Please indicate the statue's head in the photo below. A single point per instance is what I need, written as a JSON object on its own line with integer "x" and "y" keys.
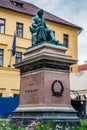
{"x": 40, "y": 12}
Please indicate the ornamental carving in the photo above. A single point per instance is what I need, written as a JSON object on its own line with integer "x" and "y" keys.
{"x": 57, "y": 93}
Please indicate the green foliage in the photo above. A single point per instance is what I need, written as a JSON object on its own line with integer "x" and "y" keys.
{"x": 18, "y": 125}
{"x": 6, "y": 125}
{"x": 83, "y": 125}
{"x": 45, "y": 126}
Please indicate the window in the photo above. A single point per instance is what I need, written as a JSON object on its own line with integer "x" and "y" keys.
{"x": 19, "y": 29}
{"x": 16, "y": 95}
{"x": 2, "y": 26}
{"x": 1, "y": 57}
{"x": 66, "y": 40}
{"x": 18, "y": 4}
{"x": 0, "y": 94}
{"x": 18, "y": 57}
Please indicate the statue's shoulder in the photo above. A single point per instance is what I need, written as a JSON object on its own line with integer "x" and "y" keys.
{"x": 35, "y": 18}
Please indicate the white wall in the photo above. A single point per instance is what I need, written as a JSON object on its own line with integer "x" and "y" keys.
{"x": 78, "y": 82}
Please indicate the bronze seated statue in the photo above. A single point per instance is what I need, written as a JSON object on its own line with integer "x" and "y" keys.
{"x": 40, "y": 32}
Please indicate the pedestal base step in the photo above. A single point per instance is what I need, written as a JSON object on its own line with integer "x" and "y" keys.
{"x": 55, "y": 114}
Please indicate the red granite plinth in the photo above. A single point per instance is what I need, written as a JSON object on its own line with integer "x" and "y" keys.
{"x": 36, "y": 88}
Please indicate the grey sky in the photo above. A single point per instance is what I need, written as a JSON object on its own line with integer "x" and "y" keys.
{"x": 74, "y": 11}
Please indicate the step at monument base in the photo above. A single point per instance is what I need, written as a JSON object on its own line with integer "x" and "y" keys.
{"x": 60, "y": 115}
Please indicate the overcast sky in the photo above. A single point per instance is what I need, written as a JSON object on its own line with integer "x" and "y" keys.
{"x": 74, "y": 11}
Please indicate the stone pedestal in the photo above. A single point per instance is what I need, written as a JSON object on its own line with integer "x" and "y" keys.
{"x": 45, "y": 85}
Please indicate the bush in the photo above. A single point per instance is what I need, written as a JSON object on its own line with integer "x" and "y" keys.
{"x": 18, "y": 125}
{"x": 45, "y": 126}
{"x": 6, "y": 125}
{"x": 83, "y": 125}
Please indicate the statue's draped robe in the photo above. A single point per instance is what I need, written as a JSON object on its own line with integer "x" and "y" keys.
{"x": 38, "y": 30}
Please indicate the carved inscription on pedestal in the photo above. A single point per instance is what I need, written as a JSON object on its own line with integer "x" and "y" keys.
{"x": 31, "y": 89}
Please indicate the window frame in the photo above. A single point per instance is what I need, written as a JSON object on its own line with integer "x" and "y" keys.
{"x": 3, "y": 26}
{"x": 18, "y": 4}
{"x": 19, "y": 30}
{"x": 1, "y": 57}
{"x": 66, "y": 40}
{"x": 18, "y": 57}
{"x": 16, "y": 95}
{"x": 1, "y": 95}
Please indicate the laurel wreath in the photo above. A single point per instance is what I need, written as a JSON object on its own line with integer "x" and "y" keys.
{"x": 56, "y": 93}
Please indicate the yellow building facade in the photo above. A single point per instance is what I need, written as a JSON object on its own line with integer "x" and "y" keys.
{"x": 15, "y": 20}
